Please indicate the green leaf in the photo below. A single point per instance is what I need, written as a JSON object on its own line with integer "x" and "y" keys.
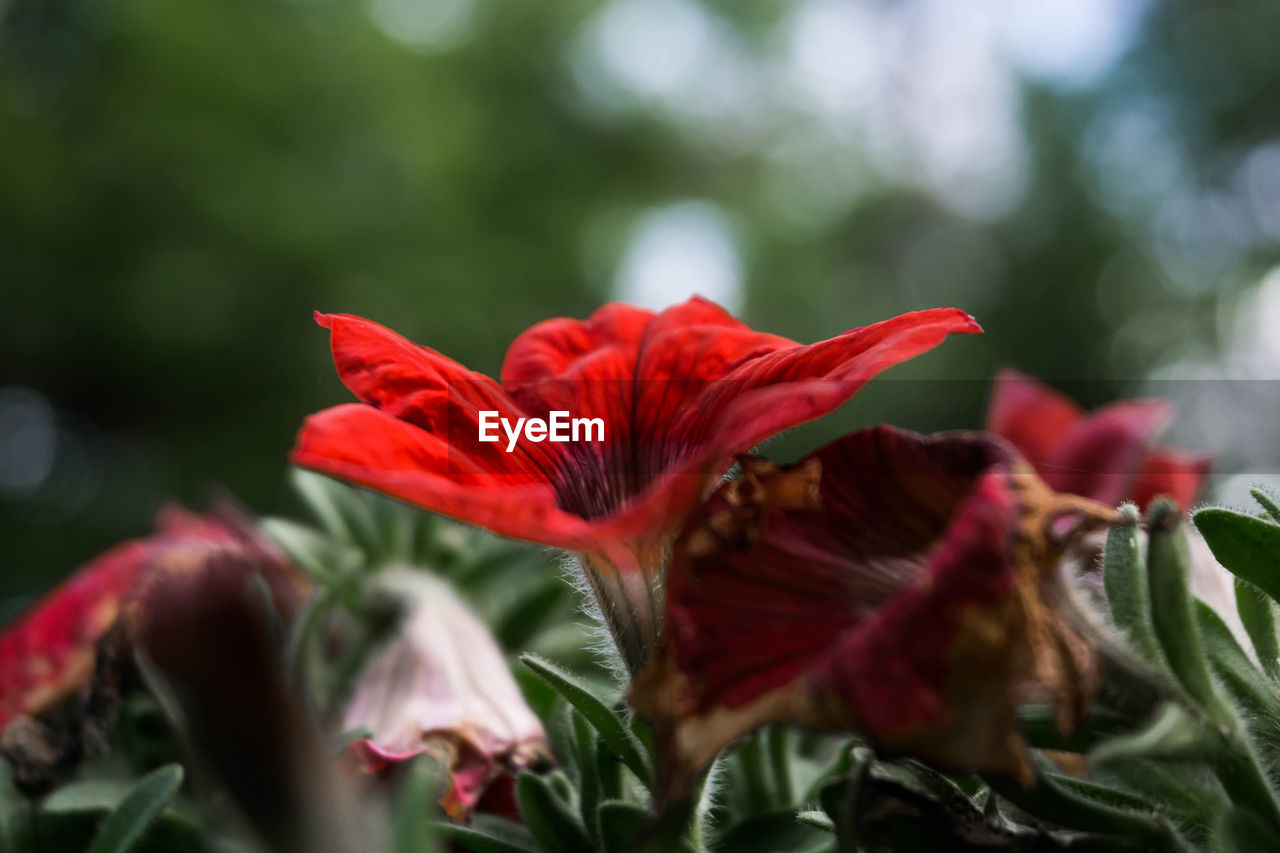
{"x": 777, "y": 741}
{"x": 589, "y": 793}
{"x": 1171, "y": 734}
{"x": 750, "y": 756}
{"x": 776, "y": 831}
{"x": 923, "y": 779}
{"x": 93, "y": 796}
{"x": 1189, "y": 793}
{"x": 1258, "y": 614}
{"x": 411, "y": 830}
{"x": 1247, "y": 547}
{"x": 343, "y": 511}
{"x": 487, "y": 835}
{"x": 1241, "y": 831}
{"x": 1039, "y": 725}
{"x": 1252, "y": 692}
{"x": 1173, "y": 611}
{"x": 840, "y": 765}
{"x": 1268, "y": 502}
{"x": 619, "y": 822}
{"x": 816, "y": 818}
{"x": 125, "y": 826}
{"x": 844, "y": 799}
{"x": 608, "y": 771}
{"x": 326, "y": 559}
{"x": 397, "y": 529}
{"x": 16, "y": 825}
{"x": 1124, "y": 580}
{"x": 552, "y": 821}
{"x": 1049, "y": 800}
{"x": 1101, "y": 793}
{"x": 610, "y": 726}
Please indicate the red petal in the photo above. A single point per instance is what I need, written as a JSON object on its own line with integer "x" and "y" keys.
{"x": 371, "y": 448}
{"x": 908, "y": 601}
{"x": 1170, "y": 471}
{"x": 680, "y": 392}
{"x": 895, "y": 672}
{"x": 1031, "y": 415}
{"x": 48, "y": 651}
{"x": 886, "y": 499}
{"x": 1100, "y": 455}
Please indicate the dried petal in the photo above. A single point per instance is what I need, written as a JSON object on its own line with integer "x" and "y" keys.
{"x": 915, "y": 600}
{"x": 443, "y": 687}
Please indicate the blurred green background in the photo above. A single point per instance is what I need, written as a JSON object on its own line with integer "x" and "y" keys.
{"x": 181, "y": 184}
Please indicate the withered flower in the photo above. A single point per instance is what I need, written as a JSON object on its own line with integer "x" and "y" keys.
{"x": 442, "y": 687}
{"x": 900, "y": 586}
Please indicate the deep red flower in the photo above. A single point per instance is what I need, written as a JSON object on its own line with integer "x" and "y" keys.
{"x": 680, "y": 392}
{"x": 896, "y": 585}
{"x": 48, "y": 651}
{"x": 1105, "y": 454}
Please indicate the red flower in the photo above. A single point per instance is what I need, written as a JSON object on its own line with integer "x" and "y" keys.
{"x": 47, "y": 653}
{"x": 680, "y": 393}
{"x": 900, "y": 586}
{"x": 442, "y": 687}
{"x": 1105, "y": 454}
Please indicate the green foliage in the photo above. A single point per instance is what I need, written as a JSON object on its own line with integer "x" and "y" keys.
{"x": 1172, "y": 607}
{"x": 1247, "y": 546}
{"x": 1127, "y": 586}
{"x": 129, "y": 821}
{"x": 412, "y": 829}
{"x": 16, "y": 825}
{"x": 1188, "y": 770}
{"x": 611, "y": 726}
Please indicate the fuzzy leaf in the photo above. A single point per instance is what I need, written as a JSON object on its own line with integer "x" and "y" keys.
{"x": 1124, "y": 580}
{"x": 1241, "y": 831}
{"x": 611, "y": 728}
{"x": 553, "y": 823}
{"x": 1253, "y": 693}
{"x": 125, "y": 826}
{"x": 1171, "y": 734}
{"x": 619, "y": 822}
{"x": 1051, "y": 801}
{"x": 773, "y": 831}
{"x": 1268, "y": 502}
{"x": 411, "y": 830}
{"x": 320, "y": 556}
{"x": 777, "y": 742}
{"x": 1246, "y": 546}
{"x": 1258, "y": 614}
{"x": 589, "y": 794}
{"x": 94, "y": 796}
{"x": 487, "y": 835}
{"x": 1173, "y": 611}
{"x": 844, "y": 798}
{"x": 1189, "y": 793}
{"x": 818, "y": 819}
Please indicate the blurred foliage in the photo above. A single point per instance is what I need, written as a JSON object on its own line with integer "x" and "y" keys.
{"x": 182, "y": 184}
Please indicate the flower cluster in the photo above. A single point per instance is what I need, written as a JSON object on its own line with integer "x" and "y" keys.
{"x": 910, "y": 589}
{"x": 901, "y": 586}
